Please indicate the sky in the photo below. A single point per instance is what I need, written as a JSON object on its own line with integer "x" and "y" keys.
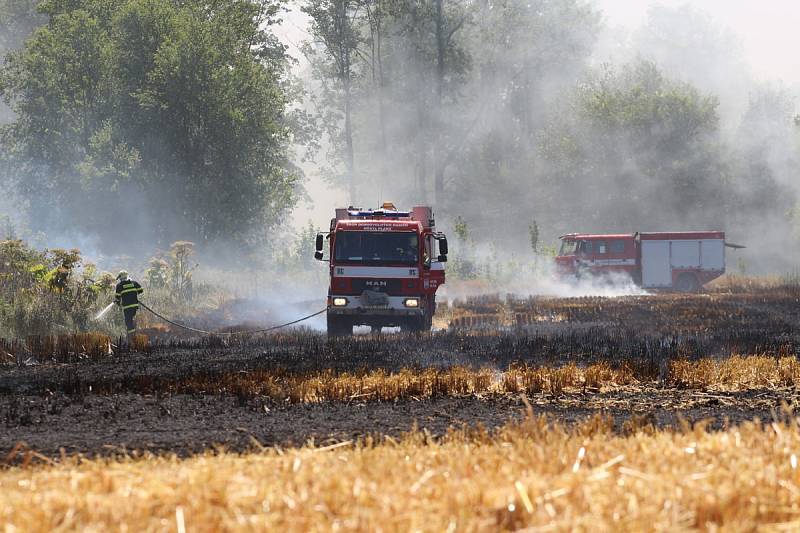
{"x": 770, "y": 39}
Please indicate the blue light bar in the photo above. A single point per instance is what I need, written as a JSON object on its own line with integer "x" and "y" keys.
{"x": 379, "y": 213}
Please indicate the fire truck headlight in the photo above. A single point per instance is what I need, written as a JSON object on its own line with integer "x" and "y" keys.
{"x": 339, "y": 302}
{"x": 411, "y": 302}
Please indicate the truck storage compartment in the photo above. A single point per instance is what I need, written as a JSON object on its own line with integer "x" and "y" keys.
{"x": 656, "y": 270}
{"x": 667, "y": 257}
{"x": 712, "y": 253}
{"x": 685, "y": 254}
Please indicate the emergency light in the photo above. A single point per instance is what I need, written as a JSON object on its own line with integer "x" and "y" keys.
{"x": 382, "y": 212}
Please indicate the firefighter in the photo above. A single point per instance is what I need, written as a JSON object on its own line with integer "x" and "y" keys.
{"x": 408, "y": 250}
{"x": 411, "y": 247}
{"x": 127, "y": 297}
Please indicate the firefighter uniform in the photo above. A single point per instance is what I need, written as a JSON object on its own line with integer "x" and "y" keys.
{"x": 127, "y": 297}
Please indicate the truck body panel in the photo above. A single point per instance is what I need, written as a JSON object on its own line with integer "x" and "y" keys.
{"x": 656, "y": 270}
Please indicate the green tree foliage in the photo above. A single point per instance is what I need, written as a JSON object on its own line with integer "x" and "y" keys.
{"x": 47, "y": 291}
{"x": 635, "y": 139}
{"x": 462, "y": 263}
{"x": 333, "y": 54}
{"x": 461, "y": 230}
{"x": 334, "y": 58}
{"x": 173, "y": 271}
{"x": 691, "y": 45}
{"x": 533, "y": 237}
{"x": 526, "y": 56}
{"x": 295, "y": 258}
{"x": 18, "y": 18}
{"x": 389, "y": 75}
{"x": 769, "y": 150}
{"x": 168, "y": 118}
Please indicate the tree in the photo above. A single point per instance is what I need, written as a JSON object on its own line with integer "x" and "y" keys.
{"x": 446, "y": 27}
{"x": 170, "y": 118}
{"x": 525, "y": 56}
{"x": 18, "y": 19}
{"x": 533, "y": 237}
{"x": 430, "y": 66}
{"x": 690, "y": 45}
{"x": 391, "y": 71}
{"x": 336, "y": 38}
{"x": 764, "y": 164}
{"x": 635, "y": 140}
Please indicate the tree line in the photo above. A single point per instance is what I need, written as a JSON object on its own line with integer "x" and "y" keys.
{"x": 181, "y": 119}
{"x": 499, "y": 111}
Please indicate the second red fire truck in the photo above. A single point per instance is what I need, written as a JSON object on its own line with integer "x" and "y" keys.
{"x": 385, "y": 268}
{"x": 682, "y": 261}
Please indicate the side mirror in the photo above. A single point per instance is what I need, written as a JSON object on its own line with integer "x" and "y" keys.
{"x": 318, "y": 256}
{"x": 319, "y": 243}
{"x": 442, "y": 259}
{"x": 443, "y": 247}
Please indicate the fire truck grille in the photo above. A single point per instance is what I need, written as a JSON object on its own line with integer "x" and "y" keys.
{"x": 379, "y": 285}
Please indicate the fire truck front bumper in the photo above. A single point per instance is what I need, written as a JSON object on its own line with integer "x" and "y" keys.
{"x": 376, "y": 305}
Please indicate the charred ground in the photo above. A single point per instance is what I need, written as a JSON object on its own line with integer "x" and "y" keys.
{"x": 645, "y": 360}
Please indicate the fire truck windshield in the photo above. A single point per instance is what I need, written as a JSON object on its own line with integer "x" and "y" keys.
{"x": 376, "y": 247}
{"x": 568, "y": 247}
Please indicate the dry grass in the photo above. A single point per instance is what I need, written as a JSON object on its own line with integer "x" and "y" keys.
{"x": 736, "y": 372}
{"x": 737, "y": 283}
{"x": 526, "y": 475}
{"x": 733, "y": 373}
{"x": 67, "y": 347}
{"x": 62, "y": 348}
{"x": 330, "y": 386}
{"x": 758, "y": 305}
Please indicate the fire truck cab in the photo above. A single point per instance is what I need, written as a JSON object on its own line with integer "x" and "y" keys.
{"x": 682, "y": 261}
{"x": 385, "y": 268}
{"x": 583, "y": 254}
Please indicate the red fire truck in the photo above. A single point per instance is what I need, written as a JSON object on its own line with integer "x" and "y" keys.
{"x": 385, "y": 268}
{"x": 682, "y": 261}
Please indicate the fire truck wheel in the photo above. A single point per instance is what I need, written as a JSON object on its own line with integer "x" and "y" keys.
{"x": 687, "y": 283}
{"x": 339, "y": 326}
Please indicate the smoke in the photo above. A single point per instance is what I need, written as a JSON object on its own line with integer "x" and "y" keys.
{"x": 266, "y": 297}
{"x": 547, "y": 112}
{"x": 757, "y": 141}
{"x": 545, "y": 283}
{"x": 615, "y": 284}
{"x": 758, "y": 136}
{"x": 526, "y": 123}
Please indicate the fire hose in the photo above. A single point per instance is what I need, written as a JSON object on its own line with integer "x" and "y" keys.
{"x": 248, "y": 332}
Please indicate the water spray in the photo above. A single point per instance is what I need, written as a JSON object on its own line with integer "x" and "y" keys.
{"x": 104, "y": 312}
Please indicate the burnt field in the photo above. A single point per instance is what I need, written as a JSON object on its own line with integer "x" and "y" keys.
{"x": 661, "y": 361}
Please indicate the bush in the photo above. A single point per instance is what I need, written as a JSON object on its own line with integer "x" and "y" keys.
{"x": 43, "y": 292}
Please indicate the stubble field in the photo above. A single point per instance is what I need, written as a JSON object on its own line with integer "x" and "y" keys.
{"x": 479, "y": 426}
